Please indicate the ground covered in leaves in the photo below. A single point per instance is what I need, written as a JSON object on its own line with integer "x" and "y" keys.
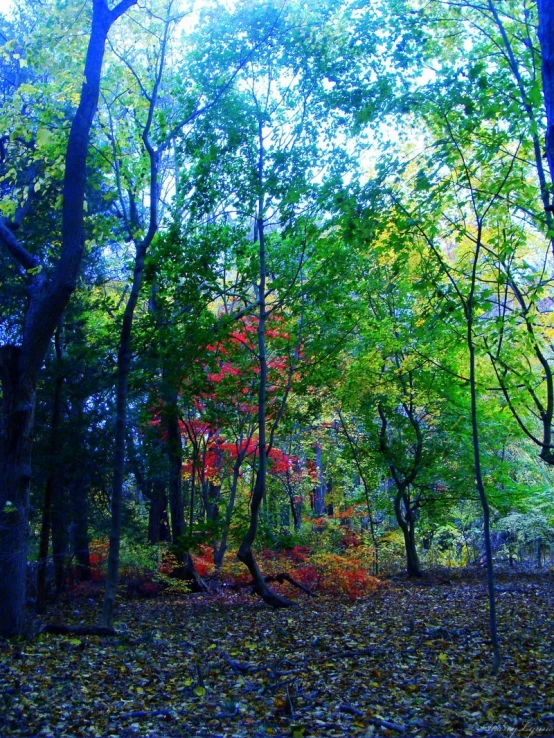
{"x": 412, "y": 659}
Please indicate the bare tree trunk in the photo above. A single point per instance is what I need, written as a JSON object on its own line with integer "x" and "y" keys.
{"x": 158, "y": 528}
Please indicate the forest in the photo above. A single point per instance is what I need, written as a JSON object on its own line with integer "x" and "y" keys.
{"x": 277, "y": 368}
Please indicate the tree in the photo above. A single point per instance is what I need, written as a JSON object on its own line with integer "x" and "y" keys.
{"x": 49, "y": 294}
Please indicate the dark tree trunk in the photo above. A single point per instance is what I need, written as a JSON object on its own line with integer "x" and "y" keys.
{"x": 219, "y": 551}
{"x": 79, "y": 527}
{"x": 49, "y": 295}
{"x": 15, "y": 474}
{"x": 60, "y": 529}
{"x": 158, "y": 527}
{"x": 124, "y": 357}
{"x": 53, "y": 480}
{"x": 406, "y": 521}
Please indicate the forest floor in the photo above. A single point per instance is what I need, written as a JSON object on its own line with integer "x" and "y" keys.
{"x": 413, "y": 659}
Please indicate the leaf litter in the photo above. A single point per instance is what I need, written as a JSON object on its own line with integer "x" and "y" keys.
{"x": 410, "y": 660}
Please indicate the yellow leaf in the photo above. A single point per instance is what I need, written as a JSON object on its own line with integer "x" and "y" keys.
{"x": 443, "y": 657}
{"x": 200, "y": 691}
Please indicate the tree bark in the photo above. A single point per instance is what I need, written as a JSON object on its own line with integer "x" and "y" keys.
{"x": 15, "y": 474}
{"x": 79, "y": 527}
{"x": 158, "y": 528}
{"x": 406, "y": 523}
{"x": 20, "y": 365}
{"x": 52, "y": 484}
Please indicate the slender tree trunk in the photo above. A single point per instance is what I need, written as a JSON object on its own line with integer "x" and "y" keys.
{"x": 157, "y": 513}
{"x": 124, "y": 357}
{"x": 477, "y": 466}
{"x": 60, "y": 526}
{"x": 245, "y": 553}
{"x": 174, "y": 450}
{"x": 319, "y": 496}
{"x": 219, "y": 551}
{"x": 546, "y": 39}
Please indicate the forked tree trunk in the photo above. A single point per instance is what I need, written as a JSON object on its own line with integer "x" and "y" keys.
{"x": 406, "y": 523}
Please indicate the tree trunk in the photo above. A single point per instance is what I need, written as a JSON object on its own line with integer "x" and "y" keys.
{"x": 407, "y": 526}
{"x": 546, "y": 39}
{"x": 15, "y": 476}
{"x": 124, "y": 357}
{"x": 79, "y": 527}
{"x": 245, "y": 554}
{"x": 319, "y": 492}
{"x": 158, "y": 528}
{"x": 174, "y": 450}
{"x": 52, "y": 484}
{"x": 49, "y": 296}
{"x": 477, "y": 464}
